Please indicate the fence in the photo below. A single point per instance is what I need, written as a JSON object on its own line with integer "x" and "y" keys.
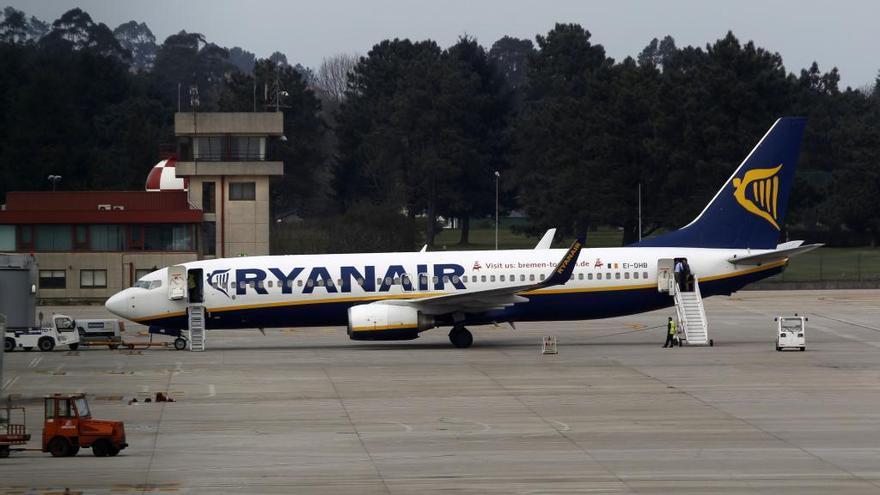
{"x": 833, "y": 265}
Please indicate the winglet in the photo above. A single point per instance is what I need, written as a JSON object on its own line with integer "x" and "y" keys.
{"x": 547, "y": 240}
{"x": 565, "y": 267}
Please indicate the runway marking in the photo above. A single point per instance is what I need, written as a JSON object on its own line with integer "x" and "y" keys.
{"x": 9, "y": 383}
{"x": 485, "y": 426}
{"x": 563, "y": 426}
{"x": 35, "y": 361}
{"x": 212, "y": 390}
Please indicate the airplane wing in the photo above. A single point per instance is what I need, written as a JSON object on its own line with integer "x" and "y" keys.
{"x": 782, "y": 251}
{"x": 547, "y": 240}
{"x": 498, "y": 298}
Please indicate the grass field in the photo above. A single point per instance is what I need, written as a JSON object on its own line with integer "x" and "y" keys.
{"x": 849, "y": 264}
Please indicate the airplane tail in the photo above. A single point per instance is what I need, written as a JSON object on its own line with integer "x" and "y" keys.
{"x": 749, "y": 210}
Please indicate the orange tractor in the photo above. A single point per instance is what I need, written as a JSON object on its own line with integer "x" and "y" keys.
{"x": 68, "y": 425}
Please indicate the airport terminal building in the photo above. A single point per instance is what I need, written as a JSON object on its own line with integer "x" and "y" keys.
{"x": 208, "y": 198}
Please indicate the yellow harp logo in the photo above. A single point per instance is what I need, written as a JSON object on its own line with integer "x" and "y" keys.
{"x": 763, "y": 183}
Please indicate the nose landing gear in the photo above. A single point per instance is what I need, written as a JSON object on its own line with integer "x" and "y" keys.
{"x": 461, "y": 337}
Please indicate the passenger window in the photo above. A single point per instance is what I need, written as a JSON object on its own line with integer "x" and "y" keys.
{"x": 299, "y": 283}
{"x": 617, "y": 275}
{"x": 424, "y": 279}
{"x": 396, "y": 280}
{"x": 339, "y": 282}
{"x": 290, "y": 283}
{"x": 455, "y": 279}
{"x": 607, "y": 276}
{"x": 310, "y": 283}
{"x": 626, "y": 275}
{"x": 598, "y": 276}
{"x": 572, "y": 277}
{"x": 360, "y": 281}
{"x": 464, "y": 279}
{"x": 589, "y": 276}
{"x": 378, "y": 281}
{"x": 435, "y": 279}
{"x": 241, "y": 285}
{"x": 542, "y": 276}
{"x": 445, "y": 279}
{"x": 482, "y": 278}
{"x": 635, "y": 274}
{"x": 580, "y": 276}
{"x": 491, "y": 278}
{"x": 644, "y": 274}
{"x": 522, "y": 278}
{"x": 388, "y": 280}
{"x": 321, "y": 283}
{"x": 531, "y": 277}
{"x": 502, "y": 278}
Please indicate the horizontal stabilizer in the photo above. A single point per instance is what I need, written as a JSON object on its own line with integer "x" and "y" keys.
{"x": 788, "y": 250}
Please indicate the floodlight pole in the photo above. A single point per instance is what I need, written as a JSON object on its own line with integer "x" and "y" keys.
{"x": 640, "y": 212}
{"x": 497, "y": 180}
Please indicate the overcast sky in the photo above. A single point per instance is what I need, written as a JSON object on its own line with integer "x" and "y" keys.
{"x": 843, "y": 33}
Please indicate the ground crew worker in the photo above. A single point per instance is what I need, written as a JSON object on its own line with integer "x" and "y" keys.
{"x": 670, "y": 332}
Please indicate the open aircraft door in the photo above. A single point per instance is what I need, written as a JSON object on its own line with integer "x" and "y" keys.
{"x": 176, "y": 282}
{"x": 665, "y": 275}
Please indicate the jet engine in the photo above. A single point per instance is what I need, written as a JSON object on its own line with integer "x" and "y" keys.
{"x": 379, "y": 321}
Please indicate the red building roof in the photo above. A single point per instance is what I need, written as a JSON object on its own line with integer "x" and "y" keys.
{"x": 82, "y": 207}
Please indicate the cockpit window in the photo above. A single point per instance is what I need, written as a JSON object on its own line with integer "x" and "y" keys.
{"x": 148, "y": 284}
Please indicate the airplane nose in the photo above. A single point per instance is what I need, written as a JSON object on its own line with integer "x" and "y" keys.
{"x": 118, "y": 304}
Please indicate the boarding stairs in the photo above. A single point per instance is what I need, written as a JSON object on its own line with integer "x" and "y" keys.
{"x": 197, "y": 335}
{"x": 692, "y": 323}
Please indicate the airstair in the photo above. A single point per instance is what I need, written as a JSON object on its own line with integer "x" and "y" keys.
{"x": 197, "y": 335}
{"x": 692, "y": 321}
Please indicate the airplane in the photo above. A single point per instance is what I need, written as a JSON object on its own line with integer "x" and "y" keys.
{"x": 396, "y": 296}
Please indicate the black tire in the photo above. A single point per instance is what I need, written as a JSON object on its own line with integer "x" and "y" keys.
{"x": 803, "y": 349}
{"x": 74, "y": 449}
{"x": 46, "y": 344}
{"x": 4, "y": 451}
{"x": 113, "y": 452}
{"x": 711, "y": 343}
{"x": 461, "y": 337}
{"x": 778, "y": 349}
{"x": 73, "y": 347}
{"x": 59, "y": 447}
{"x": 180, "y": 343}
{"x": 101, "y": 448}
{"x": 9, "y": 344}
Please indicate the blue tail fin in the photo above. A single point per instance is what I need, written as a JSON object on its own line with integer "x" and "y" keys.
{"x": 749, "y": 210}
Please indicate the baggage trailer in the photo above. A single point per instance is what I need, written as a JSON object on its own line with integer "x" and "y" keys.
{"x": 13, "y": 430}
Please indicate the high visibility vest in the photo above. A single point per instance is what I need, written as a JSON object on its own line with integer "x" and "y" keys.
{"x": 671, "y": 326}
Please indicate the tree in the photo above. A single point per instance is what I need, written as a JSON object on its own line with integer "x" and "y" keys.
{"x": 278, "y": 58}
{"x": 76, "y": 28}
{"x": 332, "y": 77}
{"x": 140, "y": 41}
{"x": 511, "y": 55}
{"x": 185, "y": 59}
{"x": 242, "y": 59}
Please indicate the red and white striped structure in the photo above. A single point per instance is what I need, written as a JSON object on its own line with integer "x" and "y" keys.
{"x": 163, "y": 178}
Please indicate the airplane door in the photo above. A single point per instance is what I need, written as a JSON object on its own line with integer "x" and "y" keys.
{"x": 195, "y": 287}
{"x": 665, "y": 277}
{"x": 176, "y": 282}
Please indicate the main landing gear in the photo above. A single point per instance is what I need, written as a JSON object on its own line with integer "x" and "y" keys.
{"x": 461, "y": 337}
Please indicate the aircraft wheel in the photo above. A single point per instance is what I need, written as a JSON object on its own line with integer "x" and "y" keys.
{"x": 179, "y": 343}
{"x": 461, "y": 337}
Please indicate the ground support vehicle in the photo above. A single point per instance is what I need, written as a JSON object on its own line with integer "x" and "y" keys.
{"x": 790, "y": 332}
{"x": 61, "y": 332}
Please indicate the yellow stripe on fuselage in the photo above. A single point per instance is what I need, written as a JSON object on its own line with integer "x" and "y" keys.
{"x": 385, "y": 297}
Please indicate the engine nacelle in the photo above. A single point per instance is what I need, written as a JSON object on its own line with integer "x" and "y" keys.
{"x": 379, "y": 321}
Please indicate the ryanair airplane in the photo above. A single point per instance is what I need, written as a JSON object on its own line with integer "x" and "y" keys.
{"x": 396, "y": 296}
